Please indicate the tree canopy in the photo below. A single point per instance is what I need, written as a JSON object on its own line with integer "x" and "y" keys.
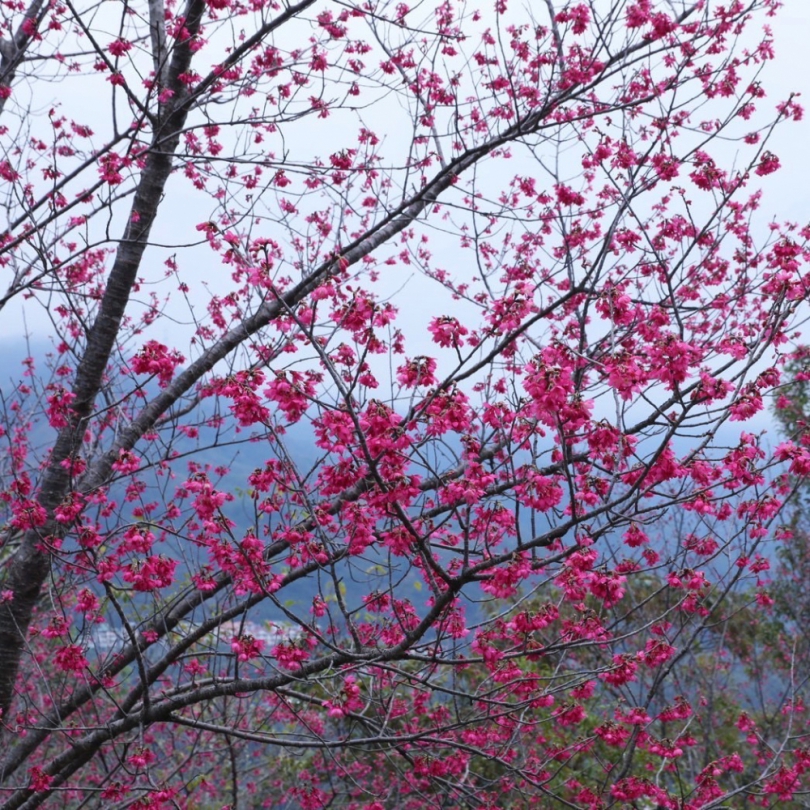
{"x": 383, "y": 436}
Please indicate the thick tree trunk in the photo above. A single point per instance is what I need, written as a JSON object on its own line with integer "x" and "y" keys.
{"x": 30, "y": 566}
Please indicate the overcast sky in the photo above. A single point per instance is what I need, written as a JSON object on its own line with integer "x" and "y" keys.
{"x": 788, "y": 195}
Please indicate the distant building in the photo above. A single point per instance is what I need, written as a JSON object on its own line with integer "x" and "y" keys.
{"x": 268, "y": 632}
{"x": 104, "y": 638}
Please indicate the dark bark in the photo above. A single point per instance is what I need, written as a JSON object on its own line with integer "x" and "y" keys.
{"x": 30, "y": 566}
{"x": 13, "y": 49}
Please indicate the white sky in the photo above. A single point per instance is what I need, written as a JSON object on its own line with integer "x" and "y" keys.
{"x": 787, "y": 193}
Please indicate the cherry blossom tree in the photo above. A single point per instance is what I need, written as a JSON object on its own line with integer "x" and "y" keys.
{"x": 388, "y": 405}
